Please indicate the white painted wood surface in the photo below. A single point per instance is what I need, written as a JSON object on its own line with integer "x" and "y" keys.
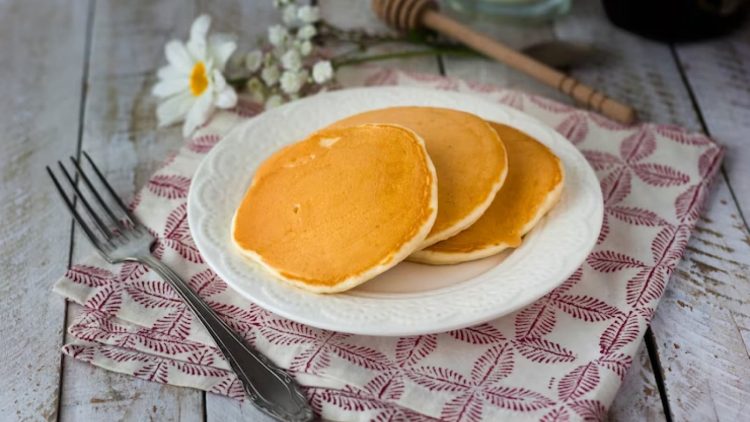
{"x": 41, "y": 92}
{"x": 719, "y": 75}
{"x": 701, "y": 327}
{"x": 119, "y": 132}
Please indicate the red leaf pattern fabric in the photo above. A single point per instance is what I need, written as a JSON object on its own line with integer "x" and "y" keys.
{"x": 89, "y": 275}
{"x": 544, "y": 351}
{"x": 575, "y": 127}
{"x": 638, "y": 146}
{"x": 611, "y": 261}
{"x": 170, "y": 186}
{"x": 523, "y": 366}
{"x": 660, "y": 175}
{"x": 578, "y": 382}
{"x": 478, "y": 334}
{"x": 202, "y": 144}
{"x": 536, "y": 320}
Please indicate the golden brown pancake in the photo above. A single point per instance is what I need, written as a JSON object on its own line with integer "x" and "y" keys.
{"x": 469, "y": 159}
{"x": 340, "y": 207}
{"x": 533, "y": 186}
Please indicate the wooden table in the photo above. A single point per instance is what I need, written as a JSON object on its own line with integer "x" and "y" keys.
{"x": 77, "y": 75}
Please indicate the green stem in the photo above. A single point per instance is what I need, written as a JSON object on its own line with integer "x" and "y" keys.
{"x": 238, "y": 83}
{"x": 401, "y": 55}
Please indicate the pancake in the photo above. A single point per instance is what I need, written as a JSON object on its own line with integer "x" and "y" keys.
{"x": 534, "y": 183}
{"x": 469, "y": 159}
{"x": 340, "y": 207}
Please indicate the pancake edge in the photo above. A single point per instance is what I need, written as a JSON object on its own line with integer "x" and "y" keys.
{"x": 386, "y": 264}
{"x": 425, "y": 256}
{"x": 477, "y": 212}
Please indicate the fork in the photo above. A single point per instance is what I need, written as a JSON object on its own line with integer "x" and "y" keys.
{"x": 124, "y": 238}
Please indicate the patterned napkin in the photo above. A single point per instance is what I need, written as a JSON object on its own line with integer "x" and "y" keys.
{"x": 561, "y": 358}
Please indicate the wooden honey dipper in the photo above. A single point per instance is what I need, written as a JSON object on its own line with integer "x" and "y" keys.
{"x": 412, "y": 14}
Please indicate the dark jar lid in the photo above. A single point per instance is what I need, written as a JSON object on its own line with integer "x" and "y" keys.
{"x": 676, "y": 20}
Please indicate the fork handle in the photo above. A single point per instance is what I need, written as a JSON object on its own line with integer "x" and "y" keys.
{"x": 270, "y": 388}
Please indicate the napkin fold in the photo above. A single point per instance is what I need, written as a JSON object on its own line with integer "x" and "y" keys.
{"x": 561, "y": 358}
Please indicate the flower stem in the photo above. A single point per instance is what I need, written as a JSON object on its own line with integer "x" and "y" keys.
{"x": 402, "y": 55}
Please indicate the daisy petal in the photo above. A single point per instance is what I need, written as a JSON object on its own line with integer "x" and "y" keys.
{"x": 198, "y": 114}
{"x": 171, "y": 72}
{"x": 196, "y": 45}
{"x": 169, "y": 87}
{"x": 221, "y": 47}
{"x": 226, "y": 98}
{"x": 178, "y": 56}
{"x": 173, "y": 109}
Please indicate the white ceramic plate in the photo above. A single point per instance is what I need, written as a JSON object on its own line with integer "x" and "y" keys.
{"x": 410, "y": 298}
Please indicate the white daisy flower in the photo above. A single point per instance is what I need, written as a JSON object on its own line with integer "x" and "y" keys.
{"x": 277, "y": 35}
{"x": 254, "y": 60}
{"x": 292, "y": 81}
{"x": 306, "y": 32}
{"x": 308, "y": 14}
{"x": 192, "y": 83}
{"x": 291, "y": 60}
{"x": 322, "y": 72}
{"x": 270, "y": 74}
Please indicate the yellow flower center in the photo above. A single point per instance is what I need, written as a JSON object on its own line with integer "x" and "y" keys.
{"x": 198, "y": 79}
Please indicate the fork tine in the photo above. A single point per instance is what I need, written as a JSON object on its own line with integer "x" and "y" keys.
{"x": 95, "y": 192}
{"x": 111, "y": 191}
{"x": 71, "y": 207}
{"x": 99, "y": 223}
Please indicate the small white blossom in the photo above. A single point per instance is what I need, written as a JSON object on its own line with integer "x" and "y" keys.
{"x": 254, "y": 60}
{"x": 289, "y": 15}
{"x": 274, "y": 101}
{"x": 308, "y": 14}
{"x": 322, "y": 72}
{"x": 291, "y": 60}
{"x": 306, "y": 32}
{"x": 277, "y": 35}
{"x": 292, "y": 82}
{"x": 305, "y": 48}
{"x": 270, "y": 74}
{"x": 256, "y": 89}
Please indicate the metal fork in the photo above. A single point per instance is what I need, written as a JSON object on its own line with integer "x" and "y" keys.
{"x": 120, "y": 237}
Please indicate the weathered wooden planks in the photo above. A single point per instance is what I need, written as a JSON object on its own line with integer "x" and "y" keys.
{"x": 638, "y": 398}
{"x": 93, "y": 394}
{"x": 42, "y": 47}
{"x": 702, "y": 325}
{"x": 119, "y": 132}
{"x": 719, "y": 74}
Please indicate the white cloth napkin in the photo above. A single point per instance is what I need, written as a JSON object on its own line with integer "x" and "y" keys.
{"x": 561, "y": 358}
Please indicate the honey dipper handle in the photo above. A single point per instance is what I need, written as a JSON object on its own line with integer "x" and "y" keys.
{"x": 554, "y": 78}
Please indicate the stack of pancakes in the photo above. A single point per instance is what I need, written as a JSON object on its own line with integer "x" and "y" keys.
{"x": 430, "y": 185}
